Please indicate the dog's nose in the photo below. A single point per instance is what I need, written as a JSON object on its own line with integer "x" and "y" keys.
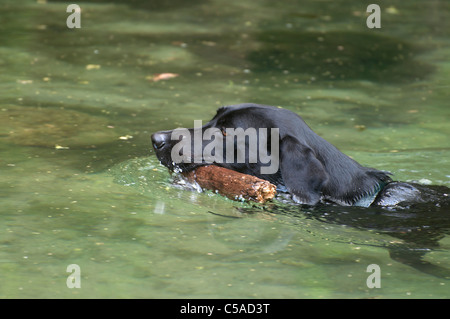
{"x": 159, "y": 140}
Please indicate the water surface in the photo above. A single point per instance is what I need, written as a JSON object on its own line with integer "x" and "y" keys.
{"x": 81, "y": 185}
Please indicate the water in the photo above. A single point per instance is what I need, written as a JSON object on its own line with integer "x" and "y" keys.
{"x": 81, "y": 185}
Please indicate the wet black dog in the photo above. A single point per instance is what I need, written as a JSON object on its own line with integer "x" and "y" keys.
{"x": 306, "y": 166}
{"x": 313, "y": 171}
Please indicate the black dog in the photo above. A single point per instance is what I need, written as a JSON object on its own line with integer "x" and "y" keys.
{"x": 309, "y": 168}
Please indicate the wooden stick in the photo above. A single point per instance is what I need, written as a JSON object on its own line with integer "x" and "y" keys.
{"x": 234, "y": 185}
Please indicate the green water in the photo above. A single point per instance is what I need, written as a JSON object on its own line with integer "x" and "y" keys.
{"x": 81, "y": 185}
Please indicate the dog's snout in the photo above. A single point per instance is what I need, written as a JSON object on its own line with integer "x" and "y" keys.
{"x": 159, "y": 140}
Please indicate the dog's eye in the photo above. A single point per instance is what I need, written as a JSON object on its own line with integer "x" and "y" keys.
{"x": 223, "y": 130}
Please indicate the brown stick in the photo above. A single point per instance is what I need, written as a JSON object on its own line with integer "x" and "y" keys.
{"x": 231, "y": 184}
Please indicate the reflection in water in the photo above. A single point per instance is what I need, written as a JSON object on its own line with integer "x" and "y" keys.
{"x": 340, "y": 56}
{"x": 419, "y": 226}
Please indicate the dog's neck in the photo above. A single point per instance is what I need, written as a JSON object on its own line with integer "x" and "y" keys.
{"x": 349, "y": 183}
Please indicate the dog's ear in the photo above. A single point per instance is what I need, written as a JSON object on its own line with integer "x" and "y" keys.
{"x": 303, "y": 174}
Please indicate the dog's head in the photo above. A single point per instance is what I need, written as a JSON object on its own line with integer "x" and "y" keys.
{"x": 273, "y": 144}
{"x": 239, "y": 137}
